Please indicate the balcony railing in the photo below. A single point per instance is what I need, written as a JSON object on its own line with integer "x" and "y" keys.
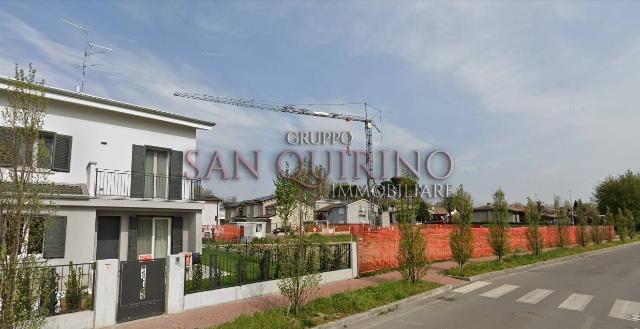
{"x": 118, "y": 183}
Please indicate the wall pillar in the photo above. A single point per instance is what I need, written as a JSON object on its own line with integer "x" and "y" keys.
{"x": 354, "y": 259}
{"x": 106, "y": 292}
{"x": 91, "y": 177}
{"x": 174, "y": 289}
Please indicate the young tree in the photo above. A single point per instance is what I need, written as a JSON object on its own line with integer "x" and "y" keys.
{"x": 499, "y": 226}
{"x": 300, "y": 278}
{"x": 461, "y": 237}
{"x": 630, "y": 223}
{"x": 23, "y": 185}
{"x": 412, "y": 257}
{"x": 593, "y": 217}
{"x": 621, "y": 225}
{"x": 287, "y": 196}
{"x": 532, "y": 217}
{"x": 609, "y": 222}
{"x": 311, "y": 185}
{"x": 582, "y": 234}
{"x": 562, "y": 222}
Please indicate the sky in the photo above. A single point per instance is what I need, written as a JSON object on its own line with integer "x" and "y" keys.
{"x": 536, "y": 98}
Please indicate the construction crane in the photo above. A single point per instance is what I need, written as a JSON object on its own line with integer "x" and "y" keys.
{"x": 369, "y": 125}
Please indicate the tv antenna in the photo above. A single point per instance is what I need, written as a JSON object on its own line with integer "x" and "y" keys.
{"x": 90, "y": 48}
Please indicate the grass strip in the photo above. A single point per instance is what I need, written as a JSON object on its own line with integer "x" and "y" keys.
{"x": 472, "y": 269}
{"x": 326, "y": 309}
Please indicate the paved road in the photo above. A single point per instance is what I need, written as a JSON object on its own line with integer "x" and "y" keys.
{"x": 600, "y": 291}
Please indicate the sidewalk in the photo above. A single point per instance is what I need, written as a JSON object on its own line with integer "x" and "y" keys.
{"x": 208, "y": 316}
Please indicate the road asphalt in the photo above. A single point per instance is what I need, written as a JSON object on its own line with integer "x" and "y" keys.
{"x": 599, "y": 291}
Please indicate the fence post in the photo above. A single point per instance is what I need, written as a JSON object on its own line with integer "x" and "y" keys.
{"x": 174, "y": 290}
{"x": 106, "y": 292}
{"x": 353, "y": 257}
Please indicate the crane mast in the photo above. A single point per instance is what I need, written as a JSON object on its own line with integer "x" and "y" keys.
{"x": 368, "y": 126}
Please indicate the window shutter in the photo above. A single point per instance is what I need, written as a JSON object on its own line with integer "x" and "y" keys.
{"x": 55, "y": 238}
{"x": 137, "y": 171}
{"x": 132, "y": 249}
{"x": 62, "y": 153}
{"x": 176, "y": 235}
{"x": 175, "y": 173}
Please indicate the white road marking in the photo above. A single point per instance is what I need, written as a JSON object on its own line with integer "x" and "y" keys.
{"x": 471, "y": 287}
{"x": 626, "y": 310}
{"x": 500, "y": 291}
{"x": 535, "y": 296}
{"x": 576, "y": 302}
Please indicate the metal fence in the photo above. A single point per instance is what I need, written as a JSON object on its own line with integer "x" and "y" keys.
{"x": 117, "y": 183}
{"x": 230, "y": 265}
{"x": 53, "y": 290}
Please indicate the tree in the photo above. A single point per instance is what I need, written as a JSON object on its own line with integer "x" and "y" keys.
{"x": 461, "y": 236}
{"x": 23, "y": 186}
{"x": 311, "y": 185}
{"x": 533, "y": 216}
{"x": 609, "y": 222}
{"x": 593, "y": 216}
{"x": 562, "y": 222}
{"x": 287, "y": 196}
{"x": 621, "y": 192}
{"x": 300, "y": 278}
{"x": 582, "y": 234}
{"x": 499, "y": 226}
{"x": 621, "y": 225}
{"x": 412, "y": 258}
{"x": 630, "y": 223}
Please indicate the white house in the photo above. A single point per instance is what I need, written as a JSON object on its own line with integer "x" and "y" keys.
{"x": 118, "y": 169}
{"x": 343, "y": 212}
{"x": 213, "y": 214}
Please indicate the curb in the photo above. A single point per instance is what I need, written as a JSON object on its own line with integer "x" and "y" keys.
{"x": 381, "y": 310}
{"x": 551, "y": 262}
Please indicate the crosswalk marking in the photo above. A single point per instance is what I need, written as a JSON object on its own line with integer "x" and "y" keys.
{"x": 626, "y": 310}
{"x": 471, "y": 287}
{"x": 500, "y": 291}
{"x": 535, "y": 296}
{"x": 576, "y": 302}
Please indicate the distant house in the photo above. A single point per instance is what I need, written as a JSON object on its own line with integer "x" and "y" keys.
{"x": 262, "y": 209}
{"x": 484, "y": 214}
{"x": 213, "y": 214}
{"x": 439, "y": 215}
{"x": 343, "y": 212}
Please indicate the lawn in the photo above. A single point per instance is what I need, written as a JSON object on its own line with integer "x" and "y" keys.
{"x": 472, "y": 269}
{"x": 331, "y": 308}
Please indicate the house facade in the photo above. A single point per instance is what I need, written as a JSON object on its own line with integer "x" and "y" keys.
{"x": 343, "y": 212}
{"x": 118, "y": 172}
{"x": 213, "y": 214}
{"x": 484, "y": 214}
{"x": 263, "y": 209}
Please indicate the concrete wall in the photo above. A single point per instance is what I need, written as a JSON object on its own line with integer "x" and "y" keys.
{"x": 77, "y": 320}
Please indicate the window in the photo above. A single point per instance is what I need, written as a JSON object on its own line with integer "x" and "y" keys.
{"x": 271, "y": 211}
{"x": 153, "y": 237}
{"x": 156, "y": 170}
{"x": 258, "y": 228}
{"x": 341, "y": 211}
{"x": 56, "y": 155}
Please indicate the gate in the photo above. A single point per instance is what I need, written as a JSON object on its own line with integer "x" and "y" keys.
{"x": 141, "y": 289}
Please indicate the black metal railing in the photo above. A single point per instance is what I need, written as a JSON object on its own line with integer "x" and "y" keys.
{"x": 231, "y": 265}
{"x": 119, "y": 183}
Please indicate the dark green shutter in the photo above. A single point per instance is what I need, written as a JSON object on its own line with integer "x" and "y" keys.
{"x": 132, "y": 246}
{"x": 175, "y": 173}
{"x": 137, "y": 171}
{"x": 55, "y": 238}
{"x": 176, "y": 235}
{"x": 62, "y": 153}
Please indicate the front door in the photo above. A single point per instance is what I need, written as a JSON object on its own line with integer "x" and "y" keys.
{"x": 108, "y": 237}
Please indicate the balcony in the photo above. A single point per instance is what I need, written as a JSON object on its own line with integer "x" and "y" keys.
{"x": 119, "y": 183}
